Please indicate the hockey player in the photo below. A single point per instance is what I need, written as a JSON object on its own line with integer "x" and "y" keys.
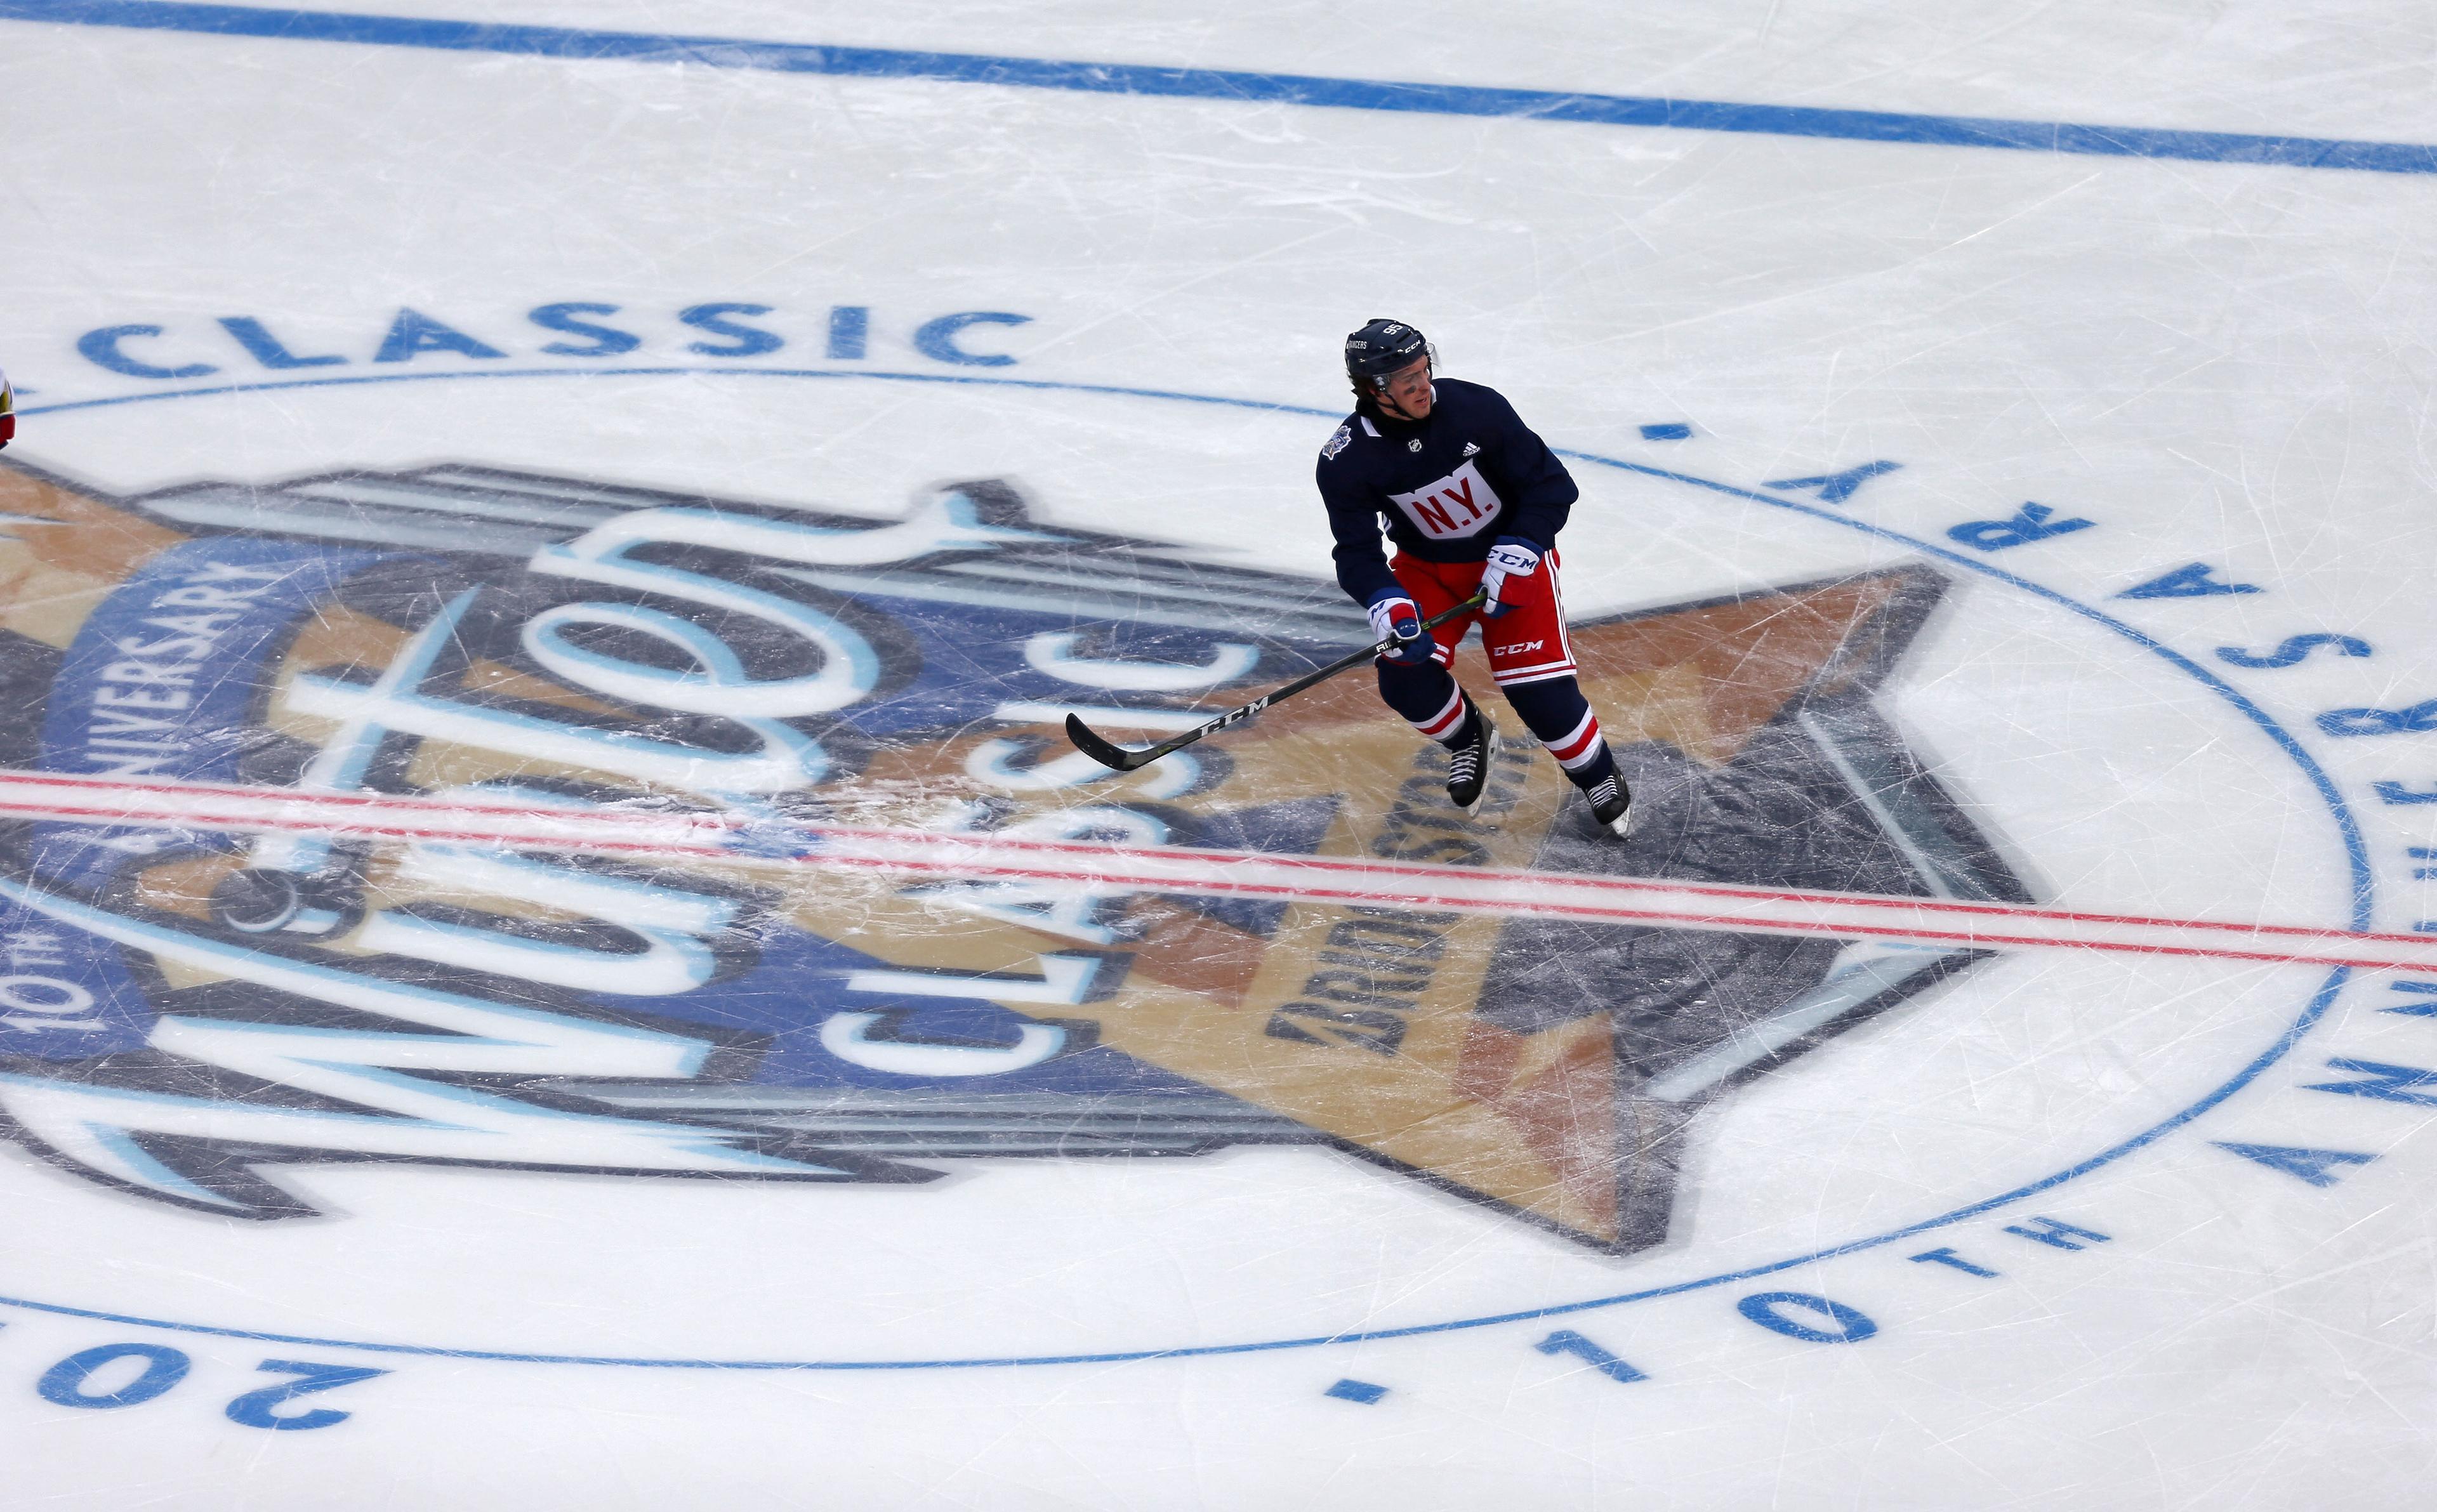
{"x": 7, "y": 412}
{"x": 1472, "y": 500}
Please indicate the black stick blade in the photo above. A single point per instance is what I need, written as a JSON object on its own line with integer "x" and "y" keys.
{"x": 1104, "y": 753}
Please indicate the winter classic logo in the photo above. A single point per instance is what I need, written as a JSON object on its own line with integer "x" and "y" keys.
{"x": 188, "y": 1014}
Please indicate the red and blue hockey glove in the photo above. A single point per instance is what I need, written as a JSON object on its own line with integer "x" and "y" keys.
{"x": 1395, "y": 616}
{"x": 1512, "y": 557}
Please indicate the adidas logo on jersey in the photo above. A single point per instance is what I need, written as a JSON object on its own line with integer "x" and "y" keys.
{"x": 1471, "y": 450}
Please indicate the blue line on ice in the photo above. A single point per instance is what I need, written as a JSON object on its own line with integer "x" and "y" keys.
{"x": 1226, "y": 85}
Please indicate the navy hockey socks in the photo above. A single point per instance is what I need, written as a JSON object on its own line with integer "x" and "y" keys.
{"x": 1556, "y": 711}
{"x": 1553, "y": 710}
{"x": 1429, "y": 699}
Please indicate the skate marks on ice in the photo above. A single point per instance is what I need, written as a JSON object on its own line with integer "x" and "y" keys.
{"x": 194, "y": 1010}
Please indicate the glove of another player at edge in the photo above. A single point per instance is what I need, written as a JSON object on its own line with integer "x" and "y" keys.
{"x": 1394, "y": 614}
{"x": 1512, "y": 557}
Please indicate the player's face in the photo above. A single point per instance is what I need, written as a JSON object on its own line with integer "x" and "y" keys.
{"x": 1407, "y": 392}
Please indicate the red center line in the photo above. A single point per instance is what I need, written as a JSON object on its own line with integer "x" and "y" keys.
{"x": 731, "y": 838}
{"x": 427, "y": 810}
{"x": 2021, "y": 913}
{"x": 322, "y": 798}
{"x": 1418, "y": 871}
{"x": 1653, "y": 915}
{"x": 369, "y": 829}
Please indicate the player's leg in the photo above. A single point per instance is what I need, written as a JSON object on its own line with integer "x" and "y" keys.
{"x": 1533, "y": 664}
{"x": 1426, "y": 694}
{"x": 1555, "y": 710}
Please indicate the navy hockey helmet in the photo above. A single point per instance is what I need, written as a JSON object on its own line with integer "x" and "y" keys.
{"x": 1380, "y": 348}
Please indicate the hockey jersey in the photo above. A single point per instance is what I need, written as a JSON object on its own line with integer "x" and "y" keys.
{"x": 7, "y": 411}
{"x": 1447, "y": 486}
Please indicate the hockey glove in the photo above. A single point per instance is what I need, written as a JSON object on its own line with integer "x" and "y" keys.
{"x": 1393, "y": 614}
{"x": 1512, "y": 557}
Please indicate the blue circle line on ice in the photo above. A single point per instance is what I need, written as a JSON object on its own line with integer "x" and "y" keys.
{"x": 2347, "y": 824}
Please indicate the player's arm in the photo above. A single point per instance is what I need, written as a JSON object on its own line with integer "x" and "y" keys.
{"x": 1362, "y": 566}
{"x": 1354, "y": 521}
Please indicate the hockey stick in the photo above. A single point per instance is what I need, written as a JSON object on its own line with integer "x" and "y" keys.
{"x": 1107, "y": 753}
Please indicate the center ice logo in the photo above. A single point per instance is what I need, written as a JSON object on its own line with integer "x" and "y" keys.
{"x": 185, "y": 1014}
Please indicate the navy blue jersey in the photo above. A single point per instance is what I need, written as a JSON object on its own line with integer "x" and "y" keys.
{"x": 1448, "y": 486}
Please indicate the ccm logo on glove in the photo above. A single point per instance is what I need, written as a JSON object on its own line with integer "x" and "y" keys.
{"x": 1511, "y": 557}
